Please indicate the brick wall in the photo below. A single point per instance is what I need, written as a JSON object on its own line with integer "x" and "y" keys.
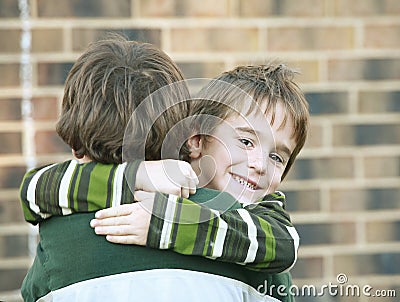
{"x": 344, "y": 191}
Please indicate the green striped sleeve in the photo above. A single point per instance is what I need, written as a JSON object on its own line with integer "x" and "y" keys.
{"x": 99, "y": 187}
{"x": 69, "y": 187}
{"x": 30, "y": 215}
{"x": 260, "y": 237}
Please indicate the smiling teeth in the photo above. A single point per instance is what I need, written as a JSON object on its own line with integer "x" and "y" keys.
{"x": 244, "y": 183}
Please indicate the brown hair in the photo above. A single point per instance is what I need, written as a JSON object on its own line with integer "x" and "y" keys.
{"x": 105, "y": 85}
{"x": 242, "y": 90}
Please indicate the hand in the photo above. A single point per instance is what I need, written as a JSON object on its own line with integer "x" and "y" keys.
{"x": 167, "y": 176}
{"x": 128, "y": 223}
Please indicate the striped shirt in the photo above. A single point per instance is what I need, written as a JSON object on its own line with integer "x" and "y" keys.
{"x": 259, "y": 236}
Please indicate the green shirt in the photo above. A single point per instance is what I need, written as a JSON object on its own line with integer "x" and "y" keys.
{"x": 259, "y": 236}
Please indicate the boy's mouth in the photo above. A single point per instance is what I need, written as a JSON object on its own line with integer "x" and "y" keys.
{"x": 244, "y": 182}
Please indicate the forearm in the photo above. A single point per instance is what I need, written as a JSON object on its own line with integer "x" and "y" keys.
{"x": 260, "y": 236}
{"x": 28, "y": 196}
{"x": 67, "y": 188}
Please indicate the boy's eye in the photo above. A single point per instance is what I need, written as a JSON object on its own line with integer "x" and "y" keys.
{"x": 248, "y": 143}
{"x": 276, "y": 157}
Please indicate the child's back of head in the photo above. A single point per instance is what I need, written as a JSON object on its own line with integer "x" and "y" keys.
{"x": 105, "y": 85}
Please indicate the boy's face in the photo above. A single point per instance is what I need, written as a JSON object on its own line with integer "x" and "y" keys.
{"x": 245, "y": 156}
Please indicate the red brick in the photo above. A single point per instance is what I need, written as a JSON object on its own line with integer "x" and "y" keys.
{"x": 363, "y": 199}
{"x": 367, "y": 264}
{"x": 367, "y": 7}
{"x": 13, "y": 37}
{"x": 322, "y": 168}
{"x": 47, "y": 40}
{"x": 383, "y": 36}
{"x": 388, "y": 101}
{"x": 303, "y": 201}
{"x": 157, "y": 8}
{"x": 10, "y": 209}
{"x": 201, "y": 70}
{"x": 11, "y": 177}
{"x": 9, "y": 9}
{"x": 11, "y": 279}
{"x": 214, "y": 39}
{"x": 11, "y": 142}
{"x": 48, "y": 142}
{"x": 87, "y": 8}
{"x": 382, "y": 166}
{"x": 315, "y": 136}
{"x": 263, "y": 8}
{"x": 383, "y": 231}
{"x": 327, "y": 233}
{"x": 187, "y": 8}
{"x": 308, "y": 70}
{"x": 14, "y": 246}
{"x": 308, "y": 268}
{"x": 363, "y": 69}
{"x": 10, "y": 109}
{"x": 365, "y": 134}
{"x": 50, "y": 74}
{"x": 327, "y": 102}
{"x": 45, "y": 108}
{"x": 9, "y": 74}
{"x": 310, "y": 38}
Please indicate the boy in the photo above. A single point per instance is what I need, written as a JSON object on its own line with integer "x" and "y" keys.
{"x": 46, "y": 227}
{"x": 285, "y": 108}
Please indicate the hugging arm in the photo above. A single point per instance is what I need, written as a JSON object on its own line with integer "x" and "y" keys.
{"x": 259, "y": 236}
{"x": 70, "y": 187}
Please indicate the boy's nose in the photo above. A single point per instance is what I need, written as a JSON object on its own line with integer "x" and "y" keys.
{"x": 258, "y": 163}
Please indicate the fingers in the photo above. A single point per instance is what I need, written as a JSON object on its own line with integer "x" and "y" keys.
{"x": 132, "y": 239}
{"x": 184, "y": 192}
{"x": 121, "y": 210}
{"x": 190, "y": 181}
{"x": 189, "y": 189}
{"x": 193, "y": 185}
{"x": 142, "y": 195}
{"x": 115, "y": 230}
{"x": 110, "y": 221}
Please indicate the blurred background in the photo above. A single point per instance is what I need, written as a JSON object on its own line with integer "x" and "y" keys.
{"x": 344, "y": 191}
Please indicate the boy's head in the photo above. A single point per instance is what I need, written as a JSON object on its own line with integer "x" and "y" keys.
{"x": 108, "y": 81}
{"x": 250, "y": 123}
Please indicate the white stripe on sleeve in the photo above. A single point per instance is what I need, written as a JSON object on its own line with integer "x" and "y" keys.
{"x": 168, "y": 219}
{"x": 252, "y": 233}
{"x": 31, "y": 192}
{"x": 64, "y": 187}
{"x": 296, "y": 241}
{"x": 117, "y": 185}
{"x": 220, "y": 237}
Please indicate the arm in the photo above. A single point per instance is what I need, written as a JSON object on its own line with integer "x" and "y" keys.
{"x": 69, "y": 187}
{"x": 66, "y": 188}
{"x": 259, "y": 236}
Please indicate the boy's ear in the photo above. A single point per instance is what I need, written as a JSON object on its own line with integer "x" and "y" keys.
{"x": 195, "y": 146}
{"x": 75, "y": 155}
